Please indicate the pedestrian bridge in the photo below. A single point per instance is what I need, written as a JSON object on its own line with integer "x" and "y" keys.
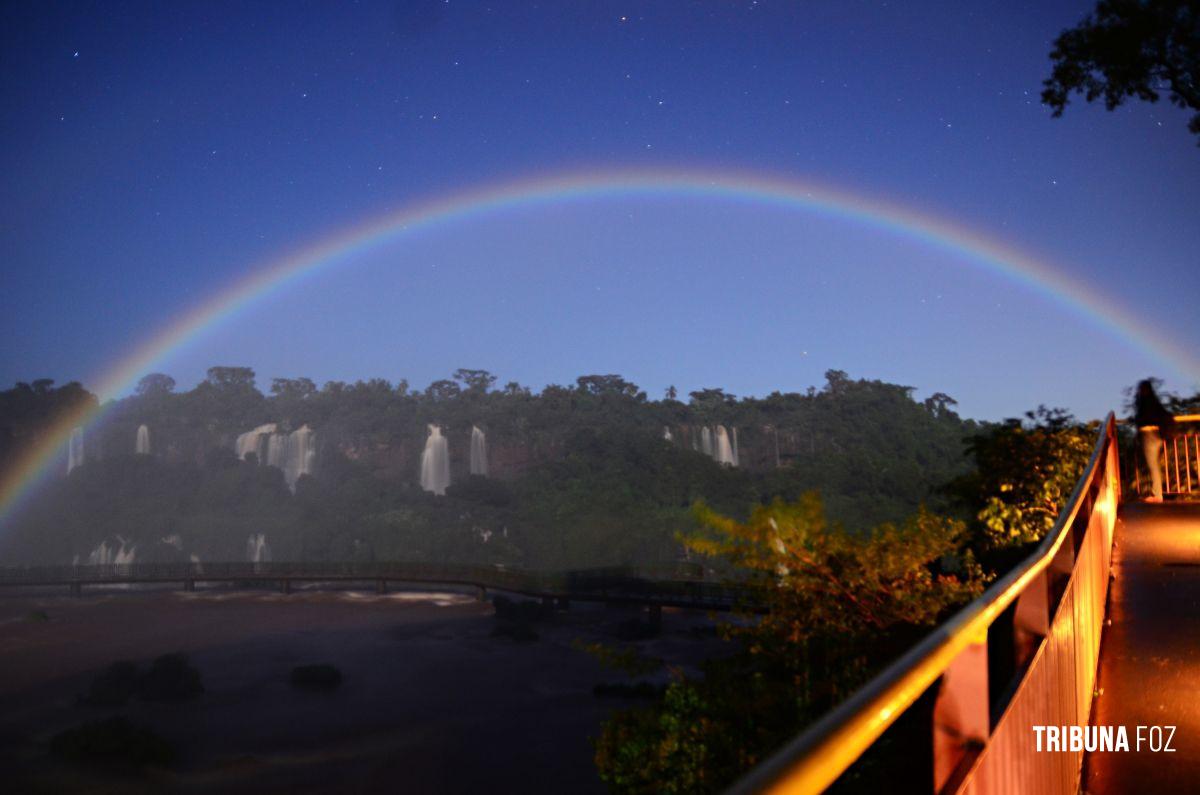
{"x": 1099, "y": 627}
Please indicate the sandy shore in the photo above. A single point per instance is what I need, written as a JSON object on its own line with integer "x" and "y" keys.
{"x": 431, "y": 702}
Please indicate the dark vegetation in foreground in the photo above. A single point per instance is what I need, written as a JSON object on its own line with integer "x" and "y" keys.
{"x": 842, "y": 605}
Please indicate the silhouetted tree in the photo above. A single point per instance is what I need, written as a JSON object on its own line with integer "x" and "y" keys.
{"x": 606, "y": 385}
{"x": 939, "y": 404}
{"x": 1130, "y": 48}
{"x": 443, "y": 390}
{"x": 293, "y": 388}
{"x": 231, "y": 377}
{"x": 155, "y": 384}
{"x": 475, "y": 382}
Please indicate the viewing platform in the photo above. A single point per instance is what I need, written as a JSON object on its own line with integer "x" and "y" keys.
{"x": 1150, "y": 655}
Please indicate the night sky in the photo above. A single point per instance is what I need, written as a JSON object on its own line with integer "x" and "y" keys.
{"x": 154, "y": 153}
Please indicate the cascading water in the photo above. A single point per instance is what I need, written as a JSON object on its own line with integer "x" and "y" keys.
{"x": 75, "y": 450}
{"x": 667, "y": 433}
{"x": 294, "y": 453}
{"x": 255, "y": 441}
{"x": 706, "y": 441}
{"x": 143, "y": 441}
{"x": 276, "y": 450}
{"x": 723, "y": 450}
{"x": 300, "y": 454}
{"x": 435, "y": 462}
{"x": 479, "y": 459}
{"x": 257, "y": 549}
{"x": 121, "y": 553}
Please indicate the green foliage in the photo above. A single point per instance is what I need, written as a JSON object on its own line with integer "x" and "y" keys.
{"x": 628, "y": 660}
{"x": 587, "y": 478}
{"x": 817, "y": 581}
{"x": 1130, "y": 48}
{"x": 29, "y": 411}
{"x": 1025, "y": 473}
{"x": 839, "y": 604}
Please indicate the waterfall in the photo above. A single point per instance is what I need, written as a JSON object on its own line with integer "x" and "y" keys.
{"x": 75, "y": 450}
{"x": 257, "y": 548}
{"x": 301, "y": 452}
{"x": 723, "y": 450}
{"x": 706, "y": 441}
{"x": 143, "y": 441}
{"x": 667, "y": 433}
{"x": 120, "y": 553}
{"x": 255, "y": 441}
{"x": 276, "y": 450}
{"x": 435, "y": 462}
{"x": 479, "y": 460}
{"x": 294, "y": 453}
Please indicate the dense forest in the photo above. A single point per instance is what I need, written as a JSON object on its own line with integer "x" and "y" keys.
{"x": 586, "y": 475}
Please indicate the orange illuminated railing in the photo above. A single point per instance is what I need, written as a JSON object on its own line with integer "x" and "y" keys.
{"x": 1180, "y": 459}
{"x": 1035, "y": 633}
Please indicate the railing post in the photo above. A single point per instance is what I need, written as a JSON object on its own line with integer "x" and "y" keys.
{"x": 961, "y": 718}
{"x": 1031, "y": 621}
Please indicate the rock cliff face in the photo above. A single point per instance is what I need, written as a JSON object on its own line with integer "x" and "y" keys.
{"x": 510, "y": 452}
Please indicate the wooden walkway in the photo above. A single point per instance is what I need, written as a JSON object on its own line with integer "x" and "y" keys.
{"x": 1150, "y": 653}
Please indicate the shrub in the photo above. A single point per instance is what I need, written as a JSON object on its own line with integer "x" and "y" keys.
{"x": 170, "y": 678}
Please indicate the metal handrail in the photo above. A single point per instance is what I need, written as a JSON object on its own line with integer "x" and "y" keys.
{"x": 1180, "y": 457}
{"x": 818, "y": 756}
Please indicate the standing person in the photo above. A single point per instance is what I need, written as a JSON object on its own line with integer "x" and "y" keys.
{"x": 1154, "y": 424}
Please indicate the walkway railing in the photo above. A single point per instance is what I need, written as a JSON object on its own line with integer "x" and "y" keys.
{"x": 1180, "y": 460}
{"x": 1035, "y": 633}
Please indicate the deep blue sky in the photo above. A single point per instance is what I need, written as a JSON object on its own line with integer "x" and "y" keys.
{"x": 154, "y": 153}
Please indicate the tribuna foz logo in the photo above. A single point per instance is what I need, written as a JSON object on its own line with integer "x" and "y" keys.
{"x": 1073, "y": 739}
